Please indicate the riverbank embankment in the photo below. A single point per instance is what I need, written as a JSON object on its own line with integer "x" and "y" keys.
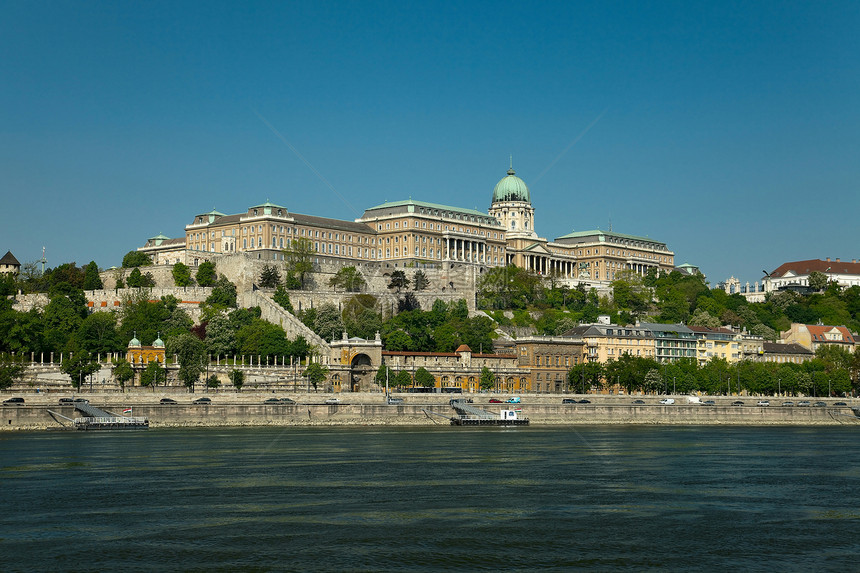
{"x": 249, "y": 409}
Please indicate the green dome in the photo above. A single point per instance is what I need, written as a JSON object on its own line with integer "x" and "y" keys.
{"x": 158, "y": 343}
{"x": 134, "y": 342}
{"x": 511, "y": 188}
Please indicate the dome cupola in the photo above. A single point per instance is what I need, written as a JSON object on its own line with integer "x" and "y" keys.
{"x": 511, "y": 188}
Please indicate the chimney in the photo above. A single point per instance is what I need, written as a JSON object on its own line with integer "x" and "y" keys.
{"x": 827, "y": 259}
{"x": 837, "y": 259}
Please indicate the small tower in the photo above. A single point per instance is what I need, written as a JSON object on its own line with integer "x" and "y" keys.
{"x": 512, "y": 206}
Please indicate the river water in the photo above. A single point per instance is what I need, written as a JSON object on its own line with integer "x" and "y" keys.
{"x": 431, "y": 499}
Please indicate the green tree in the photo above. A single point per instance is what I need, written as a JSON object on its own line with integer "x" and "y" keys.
{"x": 817, "y": 280}
{"x": 383, "y": 374}
{"x": 488, "y": 379}
{"x": 299, "y": 258}
{"x": 585, "y": 375}
{"x": 10, "y": 371}
{"x": 403, "y": 379}
{"x": 270, "y": 277}
{"x": 348, "y": 279}
{"x": 398, "y": 280}
{"x": 135, "y": 278}
{"x": 182, "y": 275}
{"x": 220, "y": 336}
{"x": 223, "y": 297}
{"x": 282, "y": 297}
{"x": 508, "y": 288}
{"x": 424, "y": 378}
{"x": 153, "y": 375}
{"x": 135, "y": 259}
{"x": 62, "y": 317}
{"x": 92, "y": 279}
{"x": 191, "y": 354}
{"x": 237, "y": 379}
{"x": 206, "y": 276}
{"x": 408, "y": 302}
{"x": 123, "y": 372}
{"x": 328, "y": 323}
{"x": 213, "y": 381}
{"x": 97, "y": 334}
{"x": 420, "y": 280}
{"x": 79, "y": 366}
{"x": 315, "y": 373}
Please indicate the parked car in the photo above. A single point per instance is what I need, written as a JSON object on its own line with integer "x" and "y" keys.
{"x": 820, "y": 405}
{"x": 762, "y": 403}
{"x": 82, "y": 401}
{"x": 638, "y": 401}
{"x": 66, "y": 401}
{"x": 271, "y": 401}
{"x": 287, "y": 401}
{"x": 332, "y": 400}
{"x": 738, "y": 403}
{"x": 513, "y": 400}
{"x": 584, "y": 401}
{"x": 709, "y": 403}
{"x": 788, "y": 403}
{"x": 168, "y": 401}
{"x": 204, "y": 401}
{"x": 667, "y": 401}
{"x": 839, "y": 404}
{"x": 496, "y": 401}
{"x": 13, "y": 401}
{"x": 393, "y": 400}
{"x": 804, "y": 403}
{"x": 568, "y": 401}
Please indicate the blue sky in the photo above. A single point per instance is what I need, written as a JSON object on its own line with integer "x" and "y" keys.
{"x": 729, "y": 130}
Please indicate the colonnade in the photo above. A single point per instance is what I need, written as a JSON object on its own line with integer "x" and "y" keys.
{"x": 465, "y": 250}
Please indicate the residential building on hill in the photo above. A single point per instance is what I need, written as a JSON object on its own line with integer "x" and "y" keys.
{"x": 716, "y": 343}
{"x": 795, "y": 275}
{"x": 786, "y": 353}
{"x": 812, "y": 336}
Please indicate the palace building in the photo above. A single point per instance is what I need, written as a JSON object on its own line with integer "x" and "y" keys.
{"x": 413, "y": 232}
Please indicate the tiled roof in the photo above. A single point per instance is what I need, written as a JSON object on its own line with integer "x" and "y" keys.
{"x": 9, "y": 259}
{"x": 803, "y": 268}
{"x": 791, "y": 348}
{"x": 818, "y": 332}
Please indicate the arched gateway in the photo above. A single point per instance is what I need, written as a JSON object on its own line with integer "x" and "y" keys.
{"x": 356, "y": 361}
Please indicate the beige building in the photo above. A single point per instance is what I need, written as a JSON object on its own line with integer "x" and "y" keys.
{"x": 419, "y": 233}
{"x": 786, "y": 353}
{"x": 812, "y": 336}
{"x": 605, "y": 342}
{"x": 548, "y": 360}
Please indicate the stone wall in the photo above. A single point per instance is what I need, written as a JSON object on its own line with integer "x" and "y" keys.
{"x": 452, "y": 280}
{"x": 246, "y": 409}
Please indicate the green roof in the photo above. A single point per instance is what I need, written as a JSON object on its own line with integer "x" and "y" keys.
{"x": 603, "y": 234}
{"x": 426, "y": 205}
{"x": 268, "y": 204}
{"x": 511, "y": 188}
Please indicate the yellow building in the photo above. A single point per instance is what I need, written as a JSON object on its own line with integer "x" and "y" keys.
{"x": 717, "y": 343}
{"x": 140, "y": 355}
